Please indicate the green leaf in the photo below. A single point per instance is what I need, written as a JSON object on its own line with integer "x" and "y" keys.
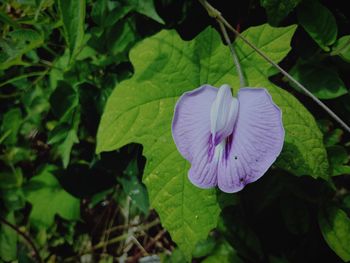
{"x": 105, "y": 15}
{"x": 338, "y": 158}
{"x": 277, "y": 10}
{"x": 11, "y": 123}
{"x": 204, "y": 247}
{"x": 64, "y": 100}
{"x": 65, "y": 148}
{"x": 324, "y": 82}
{"x": 7, "y": 20}
{"x": 8, "y": 239}
{"x": 65, "y": 105}
{"x": 318, "y": 22}
{"x": 73, "y": 17}
{"x": 146, "y": 7}
{"x": 342, "y": 48}
{"x": 17, "y": 43}
{"x": 140, "y": 110}
{"x": 133, "y": 187}
{"x": 48, "y": 198}
{"x": 335, "y": 227}
{"x": 121, "y": 38}
{"x": 224, "y": 253}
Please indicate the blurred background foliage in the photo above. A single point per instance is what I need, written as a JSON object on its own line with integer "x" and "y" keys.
{"x": 60, "y": 202}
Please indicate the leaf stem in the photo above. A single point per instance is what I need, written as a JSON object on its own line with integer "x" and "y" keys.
{"x": 213, "y": 12}
{"x": 242, "y": 82}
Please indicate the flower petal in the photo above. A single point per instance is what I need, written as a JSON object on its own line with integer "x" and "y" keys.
{"x": 223, "y": 114}
{"x": 257, "y": 140}
{"x": 192, "y": 136}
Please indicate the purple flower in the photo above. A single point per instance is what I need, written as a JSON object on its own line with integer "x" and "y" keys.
{"x": 229, "y": 141}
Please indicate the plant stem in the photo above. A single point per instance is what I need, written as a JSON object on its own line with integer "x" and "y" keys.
{"x": 25, "y": 236}
{"x": 217, "y": 15}
{"x": 234, "y": 55}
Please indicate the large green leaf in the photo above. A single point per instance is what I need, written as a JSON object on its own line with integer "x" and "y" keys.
{"x": 335, "y": 227}
{"x": 48, "y": 198}
{"x": 324, "y": 82}
{"x": 73, "y": 17}
{"x": 140, "y": 110}
{"x": 318, "y": 22}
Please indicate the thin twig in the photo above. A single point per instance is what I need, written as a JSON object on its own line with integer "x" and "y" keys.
{"x": 148, "y": 246}
{"x": 25, "y": 236}
{"x": 234, "y": 55}
{"x": 213, "y": 12}
{"x": 125, "y": 236}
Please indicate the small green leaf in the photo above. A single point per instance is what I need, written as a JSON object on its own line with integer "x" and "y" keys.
{"x": 105, "y": 15}
{"x": 318, "y": 22}
{"x": 65, "y": 105}
{"x": 342, "y": 48}
{"x": 48, "y": 198}
{"x": 204, "y": 247}
{"x": 17, "y": 43}
{"x": 64, "y": 100}
{"x": 324, "y": 82}
{"x": 73, "y": 17}
{"x": 134, "y": 188}
{"x": 11, "y": 123}
{"x": 121, "y": 38}
{"x": 224, "y": 253}
{"x": 146, "y": 7}
{"x": 99, "y": 11}
{"x": 8, "y": 239}
{"x": 277, "y": 10}
{"x": 338, "y": 158}
{"x": 65, "y": 148}
{"x": 335, "y": 227}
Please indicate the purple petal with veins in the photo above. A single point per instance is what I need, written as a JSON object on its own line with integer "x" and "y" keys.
{"x": 228, "y": 141}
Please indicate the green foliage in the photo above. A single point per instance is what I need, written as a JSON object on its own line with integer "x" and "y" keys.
{"x": 277, "y": 10}
{"x": 11, "y": 123}
{"x": 140, "y": 110}
{"x": 61, "y": 61}
{"x": 134, "y": 188}
{"x": 318, "y": 22}
{"x": 338, "y": 158}
{"x": 17, "y": 43}
{"x": 48, "y": 199}
{"x": 322, "y": 81}
{"x": 8, "y": 240}
{"x": 224, "y": 253}
{"x": 342, "y": 48}
{"x": 73, "y": 18}
{"x": 335, "y": 227}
